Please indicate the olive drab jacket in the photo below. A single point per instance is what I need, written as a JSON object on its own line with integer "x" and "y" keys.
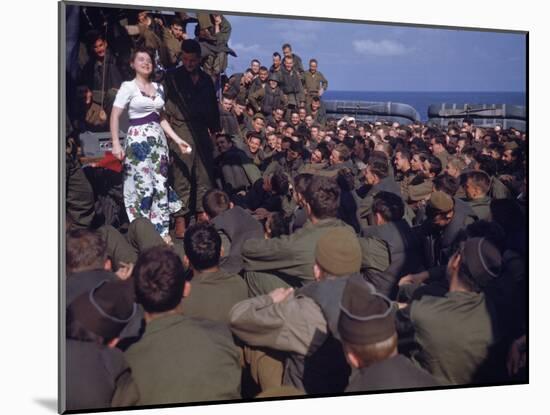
{"x": 294, "y": 255}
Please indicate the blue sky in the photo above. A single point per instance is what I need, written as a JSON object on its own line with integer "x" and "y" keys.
{"x": 367, "y": 57}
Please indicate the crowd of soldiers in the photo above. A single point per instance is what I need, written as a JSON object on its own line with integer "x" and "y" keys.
{"x": 313, "y": 255}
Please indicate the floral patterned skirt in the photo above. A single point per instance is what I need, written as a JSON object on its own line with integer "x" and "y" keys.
{"x": 146, "y": 190}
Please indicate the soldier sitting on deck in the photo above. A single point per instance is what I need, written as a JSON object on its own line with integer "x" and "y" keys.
{"x": 213, "y": 290}
{"x": 173, "y": 341}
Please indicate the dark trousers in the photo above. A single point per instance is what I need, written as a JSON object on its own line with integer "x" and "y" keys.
{"x": 80, "y": 197}
{"x": 191, "y": 174}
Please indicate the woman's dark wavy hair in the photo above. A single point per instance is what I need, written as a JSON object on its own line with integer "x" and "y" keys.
{"x": 148, "y": 51}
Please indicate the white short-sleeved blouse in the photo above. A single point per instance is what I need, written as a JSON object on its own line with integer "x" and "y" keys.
{"x": 139, "y": 105}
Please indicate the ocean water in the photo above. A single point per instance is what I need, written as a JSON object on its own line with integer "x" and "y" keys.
{"x": 422, "y": 100}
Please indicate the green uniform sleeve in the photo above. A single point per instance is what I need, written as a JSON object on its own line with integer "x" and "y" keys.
{"x": 126, "y": 392}
{"x": 268, "y": 254}
{"x": 324, "y": 82}
{"x": 118, "y": 248}
{"x": 301, "y": 94}
{"x": 226, "y": 244}
{"x": 375, "y": 254}
{"x": 252, "y": 172}
{"x": 255, "y": 97}
{"x": 271, "y": 168}
{"x": 294, "y": 325}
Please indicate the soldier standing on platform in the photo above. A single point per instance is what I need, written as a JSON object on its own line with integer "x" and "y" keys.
{"x": 194, "y": 114}
{"x": 315, "y": 84}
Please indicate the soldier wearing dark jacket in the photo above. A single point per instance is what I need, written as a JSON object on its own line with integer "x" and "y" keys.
{"x": 297, "y": 64}
{"x": 233, "y": 169}
{"x": 441, "y": 229}
{"x": 439, "y": 236}
{"x": 235, "y": 226}
{"x": 377, "y": 177}
{"x": 193, "y": 113}
{"x": 292, "y": 85}
{"x": 243, "y": 119}
{"x": 367, "y": 330}
{"x": 239, "y": 84}
{"x": 347, "y": 210}
{"x": 260, "y": 81}
{"x": 228, "y": 120}
{"x": 101, "y": 72}
{"x": 291, "y": 163}
{"x": 317, "y": 111}
{"x": 388, "y": 210}
{"x": 404, "y": 173}
{"x": 95, "y": 367}
{"x": 265, "y": 100}
{"x": 513, "y": 172}
{"x": 267, "y": 193}
{"x": 449, "y": 185}
{"x": 214, "y": 51}
{"x": 438, "y": 144}
{"x": 88, "y": 264}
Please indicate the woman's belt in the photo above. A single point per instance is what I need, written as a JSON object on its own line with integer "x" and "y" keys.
{"x": 153, "y": 117}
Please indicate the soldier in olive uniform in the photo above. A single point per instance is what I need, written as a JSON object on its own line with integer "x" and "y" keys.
{"x": 315, "y": 84}
{"x": 148, "y": 29}
{"x": 228, "y": 120}
{"x": 215, "y": 51}
{"x": 316, "y": 110}
{"x": 265, "y": 100}
{"x": 292, "y": 86}
{"x": 193, "y": 113}
{"x": 211, "y": 285}
{"x": 171, "y": 43}
{"x": 101, "y": 73}
{"x": 296, "y": 60}
{"x": 277, "y": 66}
{"x": 172, "y": 341}
{"x": 239, "y": 84}
{"x": 439, "y": 150}
{"x": 405, "y": 174}
{"x": 260, "y": 81}
{"x": 476, "y": 186}
{"x": 456, "y": 357}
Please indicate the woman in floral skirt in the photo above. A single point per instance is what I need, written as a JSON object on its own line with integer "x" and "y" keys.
{"x": 146, "y": 191}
